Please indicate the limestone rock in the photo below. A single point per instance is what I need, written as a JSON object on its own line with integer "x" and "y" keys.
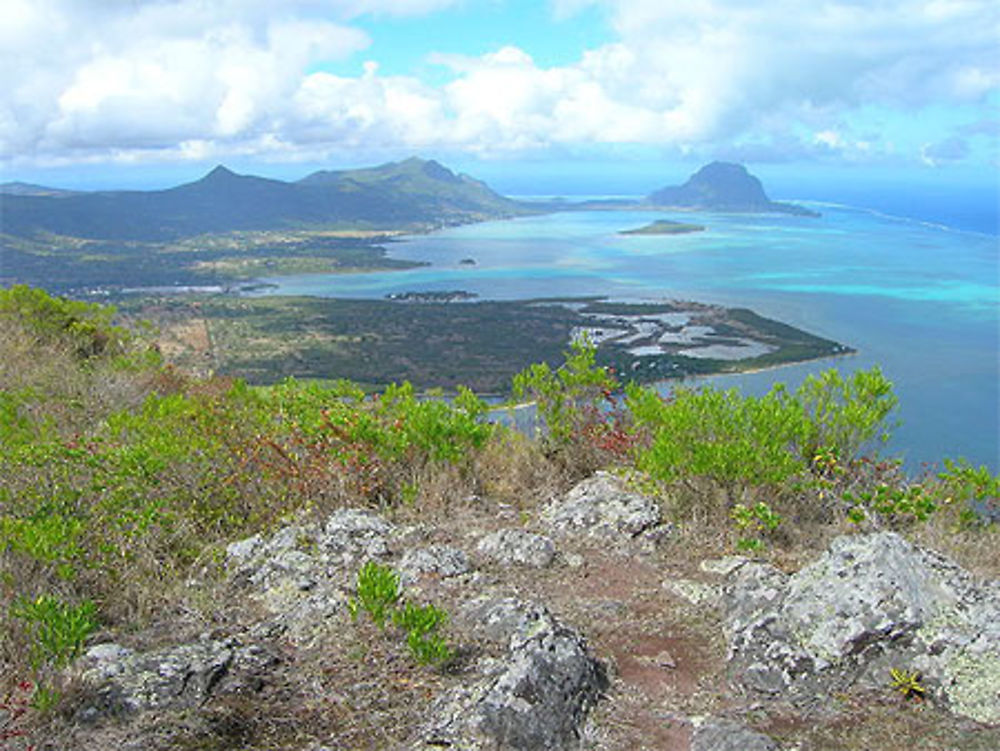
{"x": 536, "y": 696}
{"x": 118, "y": 681}
{"x": 515, "y": 547}
{"x": 350, "y": 536}
{"x": 442, "y": 560}
{"x": 720, "y": 734}
{"x": 602, "y": 507}
{"x": 870, "y": 603}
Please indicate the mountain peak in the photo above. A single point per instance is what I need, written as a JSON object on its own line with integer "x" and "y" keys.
{"x": 220, "y": 172}
{"x": 721, "y": 186}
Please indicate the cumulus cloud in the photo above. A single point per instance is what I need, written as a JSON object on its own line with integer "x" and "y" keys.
{"x": 188, "y": 79}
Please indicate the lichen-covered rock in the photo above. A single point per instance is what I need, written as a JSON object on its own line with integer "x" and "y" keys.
{"x": 118, "y": 681}
{"x": 441, "y": 560}
{"x": 871, "y": 602}
{"x": 297, "y": 555}
{"x": 720, "y": 734}
{"x": 601, "y": 506}
{"x": 350, "y": 536}
{"x": 695, "y": 592}
{"x": 281, "y": 560}
{"x": 536, "y": 696}
{"x": 298, "y": 575}
{"x": 515, "y": 547}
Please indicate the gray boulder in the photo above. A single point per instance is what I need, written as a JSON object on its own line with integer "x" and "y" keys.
{"x": 515, "y": 547}
{"x": 441, "y": 560}
{"x": 299, "y": 574}
{"x": 869, "y": 604}
{"x": 118, "y": 681}
{"x": 720, "y": 734}
{"x": 536, "y": 696}
{"x": 350, "y": 536}
{"x": 603, "y": 507}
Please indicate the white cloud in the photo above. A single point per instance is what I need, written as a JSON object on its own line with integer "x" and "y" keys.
{"x": 189, "y": 79}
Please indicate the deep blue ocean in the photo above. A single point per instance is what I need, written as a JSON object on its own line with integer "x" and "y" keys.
{"x": 916, "y": 292}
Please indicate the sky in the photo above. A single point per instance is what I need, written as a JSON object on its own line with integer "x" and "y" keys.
{"x": 95, "y": 93}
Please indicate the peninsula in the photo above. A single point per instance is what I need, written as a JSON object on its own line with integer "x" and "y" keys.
{"x": 721, "y": 186}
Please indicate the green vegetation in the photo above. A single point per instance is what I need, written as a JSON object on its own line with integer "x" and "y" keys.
{"x": 434, "y": 343}
{"x": 421, "y": 624}
{"x": 58, "y": 629}
{"x": 220, "y": 259}
{"x": 907, "y": 683}
{"x": 379, "y": 595}
{"x": 754, "y": 522}
{"x": 123, "y": 478}
{"x": 665, "y": 227}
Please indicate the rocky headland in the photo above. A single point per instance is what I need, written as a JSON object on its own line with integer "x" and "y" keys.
{"x": 722, "y": 186}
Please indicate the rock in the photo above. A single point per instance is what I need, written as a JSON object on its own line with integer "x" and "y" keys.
{"x": 720, "y": 734}
{"x": 282, "y": 559}
{"x": 502, "y": 619}
{"x": 442, "y": 560}
{"x": 515, "y": 547}
{"x": 602, "y": 507}
{"x": 870, "y": 603}
{"x": 723, "y": 566}
{"x": 119, "y": 681}
{"x": 537, "y": 696}
{"x": 350, "y": 536}
{"x": 695, "y": 592}
{"x": 302, "y": 558}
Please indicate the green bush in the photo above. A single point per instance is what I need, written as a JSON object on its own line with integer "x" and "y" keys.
{"x": 86, "y": 328}
{"x": 378, "y": 593}
{"x": 421, "y": 624}
{"x": 743, "y": 441}
{"x": 58, "y": 629}
{"x": 567, "y": 397}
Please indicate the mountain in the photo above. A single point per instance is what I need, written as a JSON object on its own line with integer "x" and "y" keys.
{"x": 722, "y": 186}
{"x": 29, "y": 189}
{"x": 410, "y": 194}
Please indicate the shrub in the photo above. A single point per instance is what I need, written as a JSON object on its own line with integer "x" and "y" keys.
{"x": 58, "y": 629}
{"x": 86, "y": 329}
{"x": 379, "y": 596}
{"x": 421, "y": 624}
{"x": 378, "y": 593}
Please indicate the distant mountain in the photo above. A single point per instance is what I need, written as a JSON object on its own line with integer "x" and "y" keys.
{"x": 409, "y": 194}
{"x": 28, "y": 189}
{"x": 722, "y": 186}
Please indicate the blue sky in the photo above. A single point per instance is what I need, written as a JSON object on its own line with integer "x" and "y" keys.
{"x": 137, "y": 92}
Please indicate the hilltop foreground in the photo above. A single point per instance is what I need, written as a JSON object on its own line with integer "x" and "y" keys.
{"x": 198, "y": 564}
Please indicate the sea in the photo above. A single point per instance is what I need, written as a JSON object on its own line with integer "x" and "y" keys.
{"x": 917, "y": 296}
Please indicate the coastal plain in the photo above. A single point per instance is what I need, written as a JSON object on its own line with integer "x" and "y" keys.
{"x": 434, "y": 343}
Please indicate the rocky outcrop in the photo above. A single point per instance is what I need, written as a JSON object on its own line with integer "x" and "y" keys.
{"x": 603, "y": 508}
{"x": 440, "y": 560}
{"x": 869, "y": 604}
{"x": 535, "y": 696}
{"x": 515, "y": 547}
{"x": 118, "y": 681}
{"x": 720, "y": 734}
{"x": 519, "y": 677}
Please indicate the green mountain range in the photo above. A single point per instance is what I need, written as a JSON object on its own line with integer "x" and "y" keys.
{"x": 411, "y": 194}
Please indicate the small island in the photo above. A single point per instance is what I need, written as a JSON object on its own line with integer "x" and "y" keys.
{"x": 664, "y": 227}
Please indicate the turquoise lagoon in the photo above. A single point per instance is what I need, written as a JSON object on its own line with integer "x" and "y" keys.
{"x": 920, "y": 300}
